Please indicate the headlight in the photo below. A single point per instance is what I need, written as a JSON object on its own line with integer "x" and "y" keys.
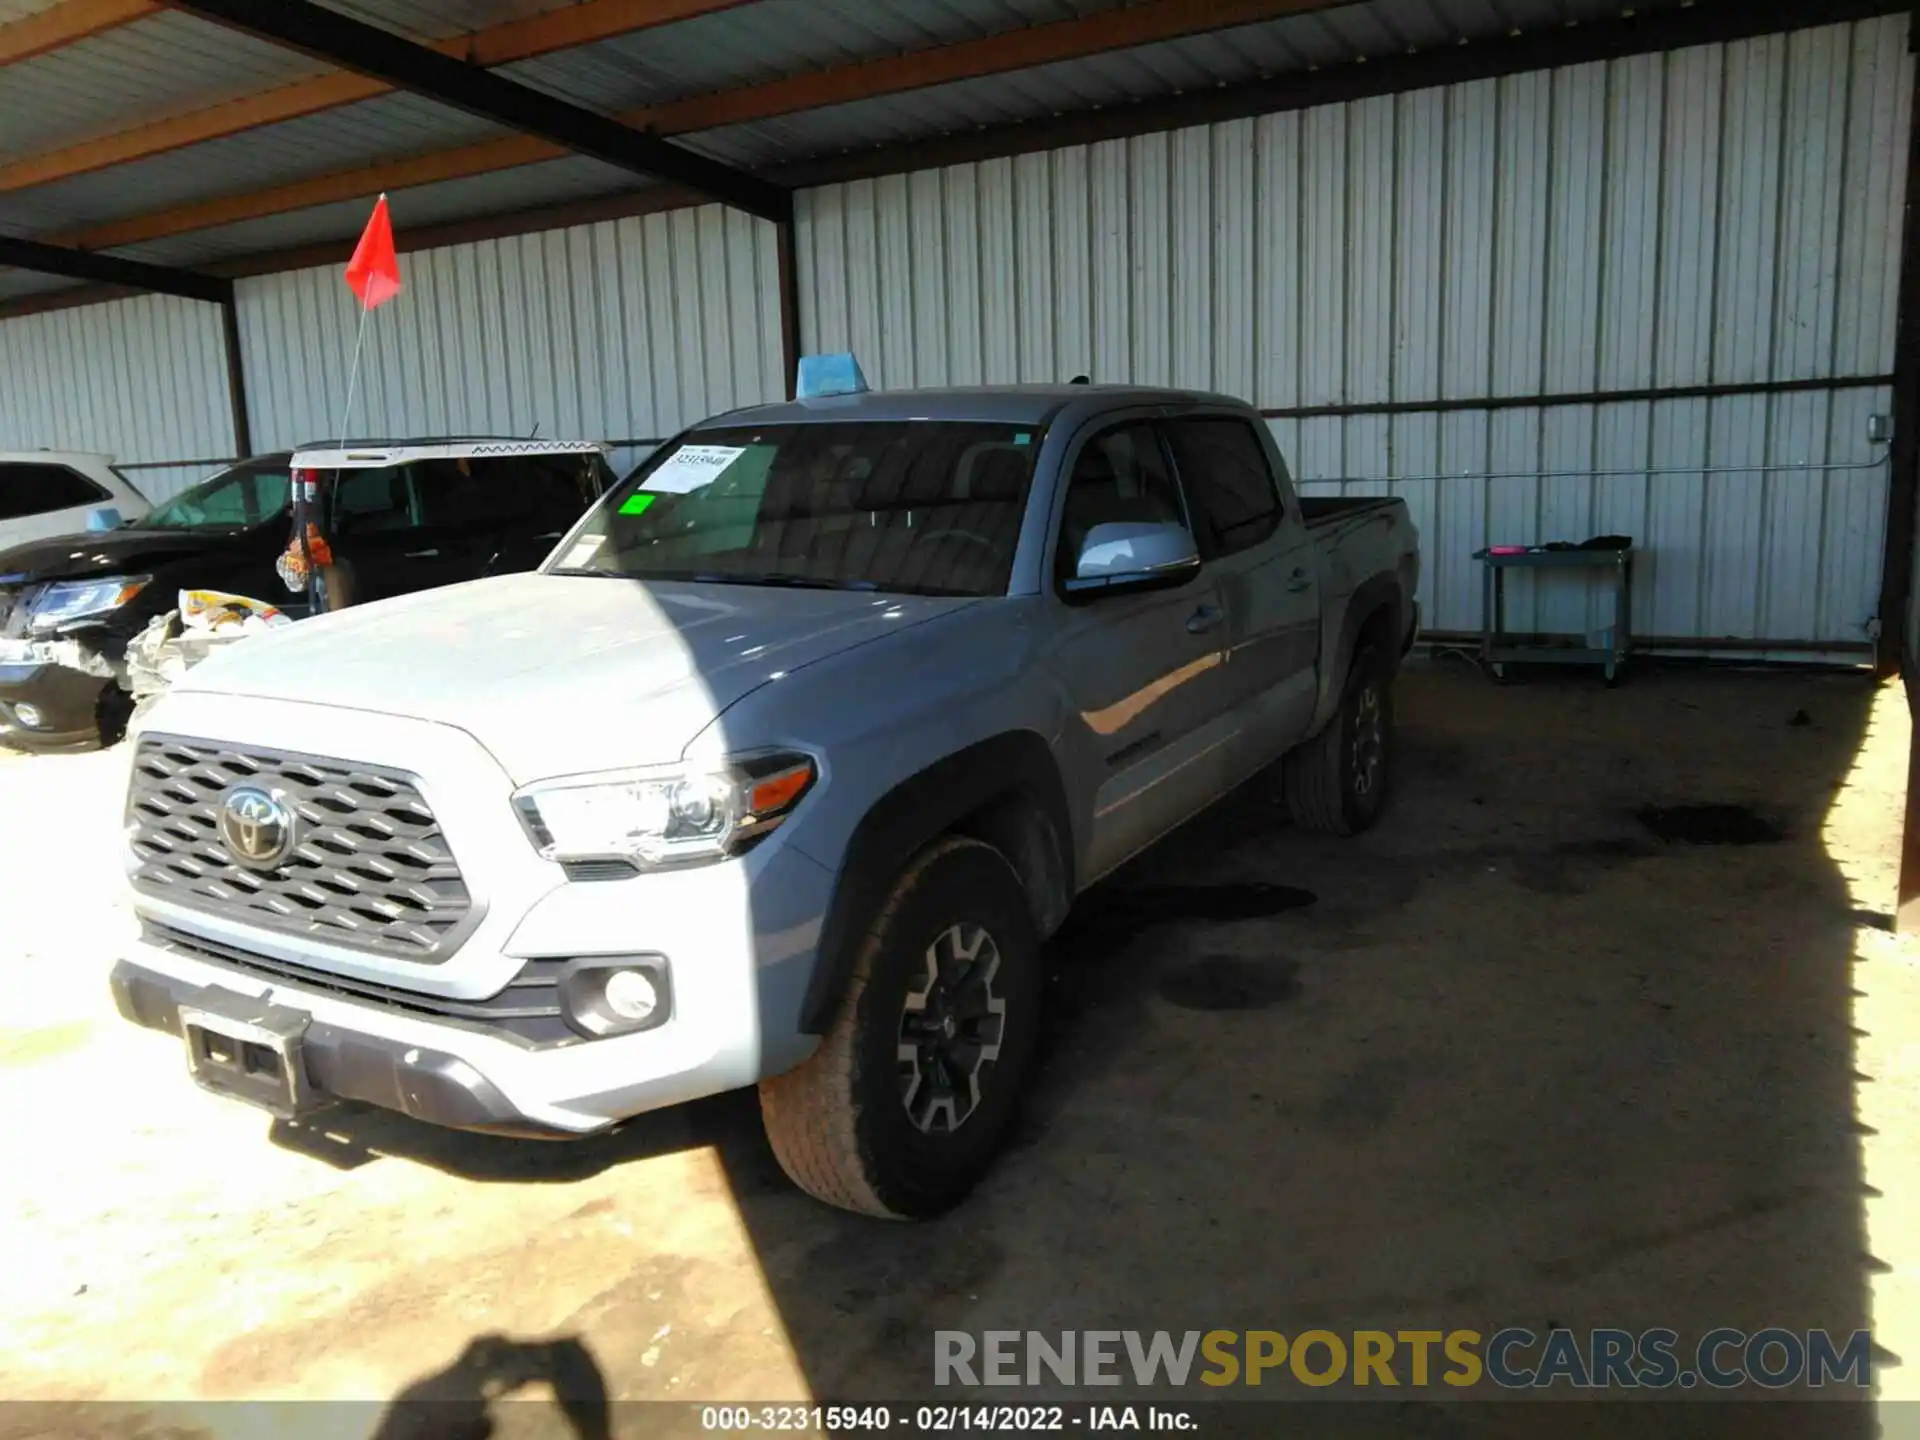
{"x": 80, "y": 599}
{"x": 666, "y": 816}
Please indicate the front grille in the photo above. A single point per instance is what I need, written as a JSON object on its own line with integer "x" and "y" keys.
{"x": 369, "y": 870}
{"x": 527, "y": 1010}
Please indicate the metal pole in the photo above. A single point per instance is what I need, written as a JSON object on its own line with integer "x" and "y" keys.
{"x": 236, "y": 377}
{"x": 1903, "y": 493}
{"x": 317, "y": 601}
{"x": 789, "y": 305}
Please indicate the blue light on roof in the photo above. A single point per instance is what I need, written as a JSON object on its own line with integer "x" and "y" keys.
{"x": 823, "y": 375}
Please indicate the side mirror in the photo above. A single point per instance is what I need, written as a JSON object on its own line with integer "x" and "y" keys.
{"x": 1130, "y": 555}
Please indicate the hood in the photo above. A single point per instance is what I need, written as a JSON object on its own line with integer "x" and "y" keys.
{"x": 111, "y": 552}
{"x": 562, "y": 674}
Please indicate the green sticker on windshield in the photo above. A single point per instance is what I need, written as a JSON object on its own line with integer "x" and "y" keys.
{"x": 1022, "y": 438}
{"x": 636, "y": 504}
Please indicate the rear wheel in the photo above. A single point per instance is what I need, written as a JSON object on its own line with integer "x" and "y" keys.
{"x": 1339, "y": 780}
{"x": 902, "y": 1108}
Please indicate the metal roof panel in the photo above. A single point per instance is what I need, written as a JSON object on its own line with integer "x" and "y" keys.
{"x": 528, "y": 187}
{"x": 164, "y": 65}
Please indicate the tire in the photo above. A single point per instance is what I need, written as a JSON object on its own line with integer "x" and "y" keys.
{"x": 1340, "y": 780}
{"x": 113, "y": 712}
{"x": 858, "y": 1128}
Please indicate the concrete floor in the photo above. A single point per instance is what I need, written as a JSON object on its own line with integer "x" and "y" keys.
{"x": 1509, "y": 1060}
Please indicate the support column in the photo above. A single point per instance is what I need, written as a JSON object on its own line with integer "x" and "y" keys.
{"x": 789, "y": 304}
{"x": 1903, "y": 480}
{"x": 236, "y": 378}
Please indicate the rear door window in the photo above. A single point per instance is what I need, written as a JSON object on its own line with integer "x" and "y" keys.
{"x": 538, "y": 493}
{"x": 241, "y": 497}
{"x": 28, "y": 488}
{"x": 1224, "y": 470}
{"x": 373, "y": 501}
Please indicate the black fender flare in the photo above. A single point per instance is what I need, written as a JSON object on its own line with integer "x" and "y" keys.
{"x": 902, "y": 822}
{"x": 1375, "y": 593}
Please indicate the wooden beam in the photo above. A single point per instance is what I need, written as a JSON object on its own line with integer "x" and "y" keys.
{"x": 68, "y": 297}
{"x": 582, "y": 24}
{"x": 652, "y": 200}
{"x": 1016, "y": 50}
{"x": 359, "y": 184}
{"x": 1632, "y": 32}
{"x": 64, "y": 24}
{"x": 351, "y": 44}
{"x": 594, "y": 210}
{"x": 1143, "y": 24}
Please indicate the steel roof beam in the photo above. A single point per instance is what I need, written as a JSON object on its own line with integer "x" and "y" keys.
{"x": 111, "y": 270}
{"x": 368, "y": 50}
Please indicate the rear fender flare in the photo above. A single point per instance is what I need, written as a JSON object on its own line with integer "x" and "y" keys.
{"x": 1374, "y": 594}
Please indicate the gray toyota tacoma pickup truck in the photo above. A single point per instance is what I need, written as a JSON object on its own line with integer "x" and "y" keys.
{"x": 779, "y": 771}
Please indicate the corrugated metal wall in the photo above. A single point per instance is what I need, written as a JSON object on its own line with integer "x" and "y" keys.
{"x": 620, "y": 330}
{"x": 1715, "y": 216}
{"x": 142, "y": 379}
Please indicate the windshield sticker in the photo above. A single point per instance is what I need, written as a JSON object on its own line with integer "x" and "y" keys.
{"x": 583, "y": 552}
{"x": 692, "y": 466}
{"x": 637, "y": 503}
{"x": 1023, "y": 438}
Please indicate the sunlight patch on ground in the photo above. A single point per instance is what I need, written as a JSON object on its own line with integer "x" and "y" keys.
{"x": 1862, "y": 835}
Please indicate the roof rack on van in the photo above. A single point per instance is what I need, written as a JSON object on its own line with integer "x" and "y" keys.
{"x": 363, "y": 454}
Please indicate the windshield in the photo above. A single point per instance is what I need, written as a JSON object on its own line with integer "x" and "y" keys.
{"x": 234, "y": 499}
{"x": 922, "y": 507}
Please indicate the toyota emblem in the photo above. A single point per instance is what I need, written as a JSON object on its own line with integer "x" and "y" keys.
{"x": 255, "y": 827}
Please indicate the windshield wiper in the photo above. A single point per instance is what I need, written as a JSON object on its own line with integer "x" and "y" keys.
{"x": 778, "y": 577}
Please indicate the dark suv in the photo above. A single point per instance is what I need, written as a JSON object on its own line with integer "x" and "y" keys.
{"x": 405, "y": 516}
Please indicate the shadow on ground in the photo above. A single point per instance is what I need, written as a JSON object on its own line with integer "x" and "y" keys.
{"x": 1533, "y": 1053}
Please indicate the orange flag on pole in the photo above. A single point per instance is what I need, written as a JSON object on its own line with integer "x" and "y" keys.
{"x": 373, "y": 273}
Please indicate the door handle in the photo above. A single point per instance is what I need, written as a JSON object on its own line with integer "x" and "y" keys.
{"x": 1204, "y": 619}
{"x": 422, "y": 554}
{"x": 1301, "y": 579}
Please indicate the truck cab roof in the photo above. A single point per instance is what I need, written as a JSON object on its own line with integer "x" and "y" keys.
{"x": 1003, "y": 404}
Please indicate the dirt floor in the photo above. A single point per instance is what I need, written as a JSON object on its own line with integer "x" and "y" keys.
{"x": 1512, "y": 1059}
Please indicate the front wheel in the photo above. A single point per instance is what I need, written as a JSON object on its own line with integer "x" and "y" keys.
{"x": 1340, "y": 779}
{"x": 902, "y": 1108}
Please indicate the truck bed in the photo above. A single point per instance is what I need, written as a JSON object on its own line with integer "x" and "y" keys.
{"x": 1357, "y": 536}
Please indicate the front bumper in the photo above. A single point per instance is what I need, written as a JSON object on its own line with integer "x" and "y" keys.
{"x": 466, "y": 1076}
{"x": 738, "y": 938}
{"x": 430, "y": 1085}
{"x": 68, "y": 702}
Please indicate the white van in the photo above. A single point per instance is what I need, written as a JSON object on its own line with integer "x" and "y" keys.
{"x": 44, "y": 493}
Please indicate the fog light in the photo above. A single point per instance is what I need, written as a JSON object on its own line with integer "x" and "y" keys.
{"x": 631, "y": 994}
{"x": 616, "y": 994}
{"x": 29, "y": 717}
